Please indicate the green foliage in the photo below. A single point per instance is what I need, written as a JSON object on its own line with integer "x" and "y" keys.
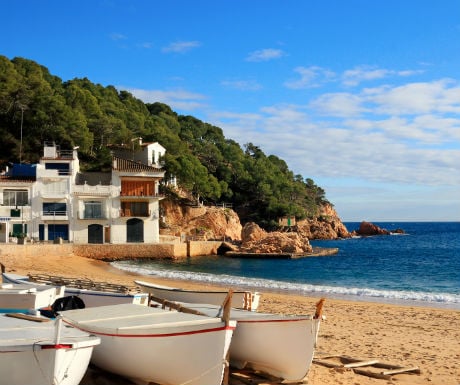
{"x": 213, "y": 168}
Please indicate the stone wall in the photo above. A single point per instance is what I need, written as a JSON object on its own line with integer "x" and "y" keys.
{"x": 109, "y": 252}
{"x": 196, "y": 248}
{"x": 36, "y": 250}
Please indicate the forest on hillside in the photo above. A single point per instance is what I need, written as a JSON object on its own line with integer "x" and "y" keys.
{"x": 36, "y": 106}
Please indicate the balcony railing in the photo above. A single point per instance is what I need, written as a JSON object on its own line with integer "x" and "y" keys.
{"x": 55, "y": 215}
{"x": 85, "y": 215}
{"x": 86, "y": 189}
{"x": 131, "y": 213}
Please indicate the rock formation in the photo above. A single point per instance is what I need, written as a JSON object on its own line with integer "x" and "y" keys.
{"x": 201, "y": 222}
{"x": 216, "y": 223}
{"x": 256, "y": 240}
{"x": 368, "y": 229}
{"x": 326, "y": 226}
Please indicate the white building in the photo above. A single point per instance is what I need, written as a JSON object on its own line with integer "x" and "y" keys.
{"x": 60, "y": 202}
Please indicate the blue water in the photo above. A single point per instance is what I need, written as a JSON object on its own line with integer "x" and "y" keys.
{"x": 421, "y": 266}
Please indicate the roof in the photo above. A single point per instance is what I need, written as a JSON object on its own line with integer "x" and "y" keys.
{"x": 121, "y": 164}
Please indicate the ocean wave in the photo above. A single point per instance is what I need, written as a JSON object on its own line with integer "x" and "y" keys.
{"x": 272, "y": 285}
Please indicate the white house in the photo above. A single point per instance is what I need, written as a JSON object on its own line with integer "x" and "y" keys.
{"x": 53, "y": 200}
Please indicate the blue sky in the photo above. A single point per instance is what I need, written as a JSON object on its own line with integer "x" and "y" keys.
{"x": 362, "y": 96}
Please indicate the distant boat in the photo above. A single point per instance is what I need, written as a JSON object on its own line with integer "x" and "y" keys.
{"x": 151, "y": 345}
{"x": 42, "y": 353}
{"x": 279, "y": 345}
{"x": 246, "y": 300}
{"x": 92, "y": 293}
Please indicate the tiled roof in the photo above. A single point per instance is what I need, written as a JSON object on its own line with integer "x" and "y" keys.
{"x": 121, "y": 164}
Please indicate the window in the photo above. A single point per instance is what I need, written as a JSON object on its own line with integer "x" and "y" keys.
{"x": 93, "y": 209}
{"x": 15, "y": 198}
{"x": 54, "y": 208}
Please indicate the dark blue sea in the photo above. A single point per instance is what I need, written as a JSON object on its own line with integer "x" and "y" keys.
{"x": 420, "y": 267}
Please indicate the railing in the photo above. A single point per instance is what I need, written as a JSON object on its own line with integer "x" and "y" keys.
{"x": 54, "y": 214}
{"x": 83, "y": 215}
{"x": 94, "y": 190}
{"x": 130, "y": 213}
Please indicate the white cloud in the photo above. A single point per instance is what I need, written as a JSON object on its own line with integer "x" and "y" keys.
{"x": 244, "y": 85}
{"x": 265, "y": 55}
{"x": 339, "y": 104}
{"x": 181, "y": 46}
{"x": 176, "y": 99}
{"x": 310, "y": 77}
{"x": 367, "y": 135}
{"x": 360, "y": 74}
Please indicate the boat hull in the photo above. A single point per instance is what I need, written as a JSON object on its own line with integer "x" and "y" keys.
{"x": 45, "y": 367}
{"x": 280, "y": 345}
{"x": 91, "y": 298}
{"x": 240, "y": 299}
{"x": 165, "y": 351}
{"x": 42, "y": 353}
{"x": 282, "y": 348}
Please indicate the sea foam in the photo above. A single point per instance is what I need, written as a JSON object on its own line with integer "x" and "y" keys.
{"x": 352, "y": 293}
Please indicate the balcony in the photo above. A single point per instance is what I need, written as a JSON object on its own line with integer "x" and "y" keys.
{"x": 131, "y": 213}
{"x": 87, "y": 190}
{"x": 91, "y": 216}
{"x": 54, "y": 215}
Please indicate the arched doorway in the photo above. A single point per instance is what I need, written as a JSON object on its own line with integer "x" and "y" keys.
{"x": 95, "y": 234}
{"x": 135, "y": 230}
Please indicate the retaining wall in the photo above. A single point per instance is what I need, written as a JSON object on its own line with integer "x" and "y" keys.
{"x": 110, "y": 252}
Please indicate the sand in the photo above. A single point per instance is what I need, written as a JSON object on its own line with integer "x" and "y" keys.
{"x": 410, "y": 336}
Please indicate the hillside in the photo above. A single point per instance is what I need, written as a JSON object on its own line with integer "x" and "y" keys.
{"x": 36, "y": 106}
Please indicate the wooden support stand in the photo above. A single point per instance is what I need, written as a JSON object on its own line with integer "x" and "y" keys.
{"x": 369, "y": 368}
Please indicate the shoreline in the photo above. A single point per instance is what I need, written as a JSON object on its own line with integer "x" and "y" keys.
{"x": 426, "y": 337}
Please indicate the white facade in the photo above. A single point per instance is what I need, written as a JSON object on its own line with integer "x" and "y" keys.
{"x": 59, "y": 203}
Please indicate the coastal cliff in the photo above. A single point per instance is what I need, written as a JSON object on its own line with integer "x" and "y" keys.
{"x": 210, "y": 223}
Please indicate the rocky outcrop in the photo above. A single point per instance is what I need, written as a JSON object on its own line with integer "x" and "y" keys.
{"x": 216, "y": 223}
{"x": 256, "y": 240}
{"x": 202, "y": 222}
{"x": 368, "y": 229}
{"x": 327, "y": 225}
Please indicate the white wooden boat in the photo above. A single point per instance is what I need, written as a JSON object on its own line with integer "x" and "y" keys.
{"x": 246, "y": 300}
{"x": 280, "y": 345}
{"x": 91, "y": 293}
{"x": 42, "y": 353}
{"x": 146, "y": 344}
{"x": 23, "y": 297}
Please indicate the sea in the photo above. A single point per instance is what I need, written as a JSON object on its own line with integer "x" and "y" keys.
{"x": 419, "y": 268}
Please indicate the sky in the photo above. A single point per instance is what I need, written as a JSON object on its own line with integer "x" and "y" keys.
{"x": 362, "y": 96}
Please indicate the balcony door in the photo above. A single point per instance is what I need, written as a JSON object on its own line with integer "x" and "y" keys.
{"x": 135, "y": 230}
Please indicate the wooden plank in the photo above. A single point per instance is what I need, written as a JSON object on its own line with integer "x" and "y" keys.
{"x": 28, "y": 317}
{"x": 369, "y": 373}
{"x": 361, "y": 363}
{"x": 327, "y": 364}
{"x": 414, "y": 369}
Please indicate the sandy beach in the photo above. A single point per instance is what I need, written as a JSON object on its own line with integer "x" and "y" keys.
{"x": 408, "y": 336}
